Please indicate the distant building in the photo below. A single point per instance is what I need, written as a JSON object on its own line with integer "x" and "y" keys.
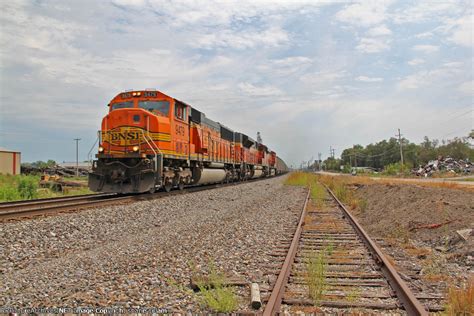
{"x": 10, "y": 161}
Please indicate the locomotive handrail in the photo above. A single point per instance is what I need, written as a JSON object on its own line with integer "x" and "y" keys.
{"x": 149, "y": 140}
{"x": 89, "y": 156}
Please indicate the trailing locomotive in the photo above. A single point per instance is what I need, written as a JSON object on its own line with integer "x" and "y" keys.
{"x": 149, "y": 140}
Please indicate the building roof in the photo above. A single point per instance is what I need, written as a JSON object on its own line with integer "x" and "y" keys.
{"x": 8, "y": 150}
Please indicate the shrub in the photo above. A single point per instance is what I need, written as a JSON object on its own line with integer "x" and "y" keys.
{"x": 8, "y": 193}
{"x": 27, "y": 188}
{"x": 396, "y": 169}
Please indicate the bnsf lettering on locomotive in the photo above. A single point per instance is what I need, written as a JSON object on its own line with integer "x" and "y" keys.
{"x": 125, "y": 136}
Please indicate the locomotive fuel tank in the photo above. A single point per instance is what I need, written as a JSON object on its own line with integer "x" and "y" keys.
{"x": 206, "y": 175}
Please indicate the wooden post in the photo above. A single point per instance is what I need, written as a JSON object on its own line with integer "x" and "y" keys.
{"x": 255, "y": 296}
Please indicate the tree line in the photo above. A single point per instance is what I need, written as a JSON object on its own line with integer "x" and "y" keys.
{"x": 387, "y": 152}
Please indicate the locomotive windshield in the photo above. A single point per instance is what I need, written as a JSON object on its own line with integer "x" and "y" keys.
{"x": 121, "y": 105}
{"x": 161, "y": 106}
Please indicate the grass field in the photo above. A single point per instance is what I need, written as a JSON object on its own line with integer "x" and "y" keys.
{"x": 22, "y": 187}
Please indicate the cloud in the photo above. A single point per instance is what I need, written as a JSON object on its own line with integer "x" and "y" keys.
{"x": 438, "y": 78}
{"x": 369, "y": 79}
{"x": 373, "y": 45}
{"x": 462, "y": 30}
{"x": 426, "y": 48}
{"x": 262, "y": 91}
{"x": 424, "y": 11}
{"x": 424, "y": 35}
{"x": 380, "y": 30}
{"x": 467, "y": 88}
{"x": 262, "y": 59}
{"x": 271, "y": 37}
{"x": 416, "y": 62}
{"x": 365, "y": 13}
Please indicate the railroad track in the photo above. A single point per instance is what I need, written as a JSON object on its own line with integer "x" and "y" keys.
{"x": 30, "y": 208}
{"x": 332, "y": 266}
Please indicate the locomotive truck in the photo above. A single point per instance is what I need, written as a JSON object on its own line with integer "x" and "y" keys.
{"x": 149, "y": 140}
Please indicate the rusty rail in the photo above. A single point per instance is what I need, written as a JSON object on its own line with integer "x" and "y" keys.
{"x": 406, "y": 297}
{"x": 274, "y": 302}
{"x": 403, "y": 292}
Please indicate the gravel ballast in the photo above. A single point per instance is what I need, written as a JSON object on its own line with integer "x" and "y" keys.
{"x": 143, "y": 254}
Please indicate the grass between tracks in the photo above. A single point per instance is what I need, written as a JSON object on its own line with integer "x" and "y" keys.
{"x": 461, "y": 300}
{"x": 339, "y": 185}
{"x": 214, "y": 294}
{"x": 316, "y": 267}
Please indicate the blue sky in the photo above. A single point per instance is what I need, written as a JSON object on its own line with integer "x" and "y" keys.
{"x": 306, "y": 74}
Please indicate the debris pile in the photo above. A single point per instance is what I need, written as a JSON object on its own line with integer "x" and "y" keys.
{"x": 64, "y": 171}
{"x": 447, "y": 164}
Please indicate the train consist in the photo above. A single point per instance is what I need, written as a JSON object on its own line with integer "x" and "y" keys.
{"x": 149, "y": 140}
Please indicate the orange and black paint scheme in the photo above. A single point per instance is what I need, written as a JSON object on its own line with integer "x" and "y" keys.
{"x": 149, "y": 140}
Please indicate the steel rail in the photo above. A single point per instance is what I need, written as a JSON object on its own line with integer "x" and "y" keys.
{"x": 6, "y": 205}
{"x": 408, "y": 300}
{"x": 274, "y": 302}
{"x": 405, "y": 295}
{"x": 54, "y": 205}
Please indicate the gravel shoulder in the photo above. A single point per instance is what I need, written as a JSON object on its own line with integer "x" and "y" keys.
{"x": 143, "y": 254}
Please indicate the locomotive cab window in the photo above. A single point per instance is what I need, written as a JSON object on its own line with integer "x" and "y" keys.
{"x": 121, "y": 105}
{"x": 162, "y": 107}
{"x": 180, "y": 111}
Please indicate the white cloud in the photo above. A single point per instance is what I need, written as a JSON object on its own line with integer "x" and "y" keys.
{"x": 424, "y": 35}
{"x": 262, "y": 91}
{"x": 369, "y": 79}
{"x": 416, "y": 62}
{"x": 271, "y": 37}
{"x": 365, "y": 13}
{"x": 467, "y": 88}
{"x": 441, "y": 77}
{"x": 423, "y": 11}
{"x": 426, "y": 48}
{"x": 462, "y": 30}
{"x": 373, "y": 45}
{"x": 380, "y": 30}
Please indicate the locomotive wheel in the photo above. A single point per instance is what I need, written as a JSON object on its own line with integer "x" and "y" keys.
{"x": 168, "y": 186}
{"x": 181, "y": 185}
{"x": 152, "y": 190}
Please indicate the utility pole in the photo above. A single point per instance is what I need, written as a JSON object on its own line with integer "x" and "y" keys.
{"x": 331, "y": 152}
{"x": 401, "y": 145}
{"x": 77, "y": 156}
{"x": 319, "y": 161}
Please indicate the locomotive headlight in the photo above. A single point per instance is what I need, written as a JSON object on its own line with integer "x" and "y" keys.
{"x": 135, "y": 148}
{"x": 101, "y": 149}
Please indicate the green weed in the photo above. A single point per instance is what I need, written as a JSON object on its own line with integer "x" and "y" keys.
{"x": 27, "y": 187}
{"x": 316, "y": 275}
{"x": 215, "y": 295}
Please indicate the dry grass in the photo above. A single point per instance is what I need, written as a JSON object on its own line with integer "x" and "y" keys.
{"x": 424, "y": 183}
{"x": 309, "y": 180}
{"x": 461, "y": 300}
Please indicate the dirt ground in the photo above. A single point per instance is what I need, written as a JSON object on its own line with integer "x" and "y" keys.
{"x": 394, "y": 210}
{"x": 428, "y": 231}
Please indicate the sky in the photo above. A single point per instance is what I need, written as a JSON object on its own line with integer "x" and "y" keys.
{"x": 306, "y": 74}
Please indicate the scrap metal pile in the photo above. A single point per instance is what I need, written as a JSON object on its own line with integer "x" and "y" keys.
{"x": 447, "y": 164}
{"x": 68, "y": 171}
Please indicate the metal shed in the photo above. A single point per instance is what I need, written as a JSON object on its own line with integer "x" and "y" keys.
{"x": 10, "y": 161}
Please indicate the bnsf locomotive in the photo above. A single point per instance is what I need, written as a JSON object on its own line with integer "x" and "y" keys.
{"x": 149, "y": 140}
